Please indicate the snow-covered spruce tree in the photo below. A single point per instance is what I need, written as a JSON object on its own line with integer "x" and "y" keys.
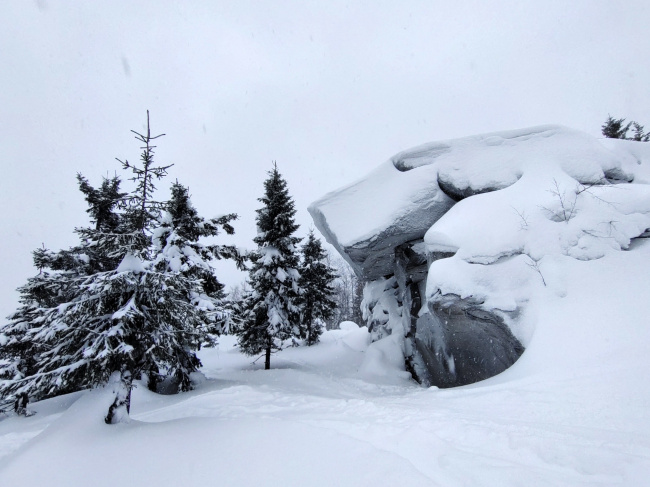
{"x": 110, "y": 311}
{"x": 179, "y": 250}
{"x": 18, "y": 356}
{"x": 60, "y": 274}
{"x": 316, "y": 282}
{"x": 142, "y": 210}
{"x": 348, "y": 293}
{"x": 270, "y": 312}
{"x": 639, "y": 134}
{"x": 613, "y": 128}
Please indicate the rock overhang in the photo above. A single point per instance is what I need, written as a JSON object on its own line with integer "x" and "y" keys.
{"x": 399, "y": 201}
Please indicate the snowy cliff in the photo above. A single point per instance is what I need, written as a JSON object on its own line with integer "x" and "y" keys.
{"x": 455, "y": 237}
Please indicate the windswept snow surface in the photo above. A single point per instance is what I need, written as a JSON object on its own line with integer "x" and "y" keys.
{"x": 574, "y": 410}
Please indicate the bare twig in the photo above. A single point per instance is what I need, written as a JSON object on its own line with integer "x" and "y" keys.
{"x": 534, "y": 264}
{"x": 567, "y": 207}
{"x": 524, "y": 220}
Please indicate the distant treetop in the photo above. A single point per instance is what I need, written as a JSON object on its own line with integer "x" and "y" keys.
{"x": 615, "y": 128}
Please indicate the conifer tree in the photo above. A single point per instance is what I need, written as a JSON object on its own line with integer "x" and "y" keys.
{"x": 115, "y": 304}
{"x": 639, "y": 134}
{"x": 235, "y": 307}
{"x": 270, "y": 312}
{"x": 614, "y": 129}
{"x": 60, "y": 274}
{"x": 316, "y": 282}
{"x": 179, "y": 249}
{"x": 143, "y": 210}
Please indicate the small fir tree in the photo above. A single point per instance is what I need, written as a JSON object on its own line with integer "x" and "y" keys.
{"x": 235, "y": 305}
{"x": 270, "y": 311}
{"x": 613, "y": 128}
{"x": 639, "y": 134}
{"x": 346, "y": 293}
{"x": 316, "y": 282}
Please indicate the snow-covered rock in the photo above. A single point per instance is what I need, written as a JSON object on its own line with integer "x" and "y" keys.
{"x": 368, "y": 219}
{"x": 403, "y": 197}
{"x": 454, "y": 238}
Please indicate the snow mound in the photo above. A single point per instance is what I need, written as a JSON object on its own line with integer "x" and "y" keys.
{"x": 348, "y": 326}
{"x": 357, "y": 339}
{"x": 385, "y": 358}
{"x": 634, "y": 157}
{"x": 488, "y": 162}
{"x": 514, "y": 232}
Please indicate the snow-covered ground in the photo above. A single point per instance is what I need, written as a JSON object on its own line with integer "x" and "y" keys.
{"x": 574, "y": 410}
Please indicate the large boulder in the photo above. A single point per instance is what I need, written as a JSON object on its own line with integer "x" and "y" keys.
{"x": 453, "y": 238}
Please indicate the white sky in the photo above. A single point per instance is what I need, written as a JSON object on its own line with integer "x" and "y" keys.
{"x": 327, "y": 89}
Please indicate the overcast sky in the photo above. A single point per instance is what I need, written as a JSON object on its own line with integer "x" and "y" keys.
{"x": 327, "y": 89}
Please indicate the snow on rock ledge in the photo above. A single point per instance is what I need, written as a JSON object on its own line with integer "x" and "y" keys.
{"x": 406, "y": 195}
{"x": 368, "y": 219}
{"x": 454, "y": 237}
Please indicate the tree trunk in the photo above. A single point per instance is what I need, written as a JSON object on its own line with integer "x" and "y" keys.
{"x": 152, "y": 382}
{"x": 128, "y": 399}
{"x": 267, "y": 360}
{"x": 20, "y": 405}
{"x": 119, "y": 411}
{"x": 310, "y": 320}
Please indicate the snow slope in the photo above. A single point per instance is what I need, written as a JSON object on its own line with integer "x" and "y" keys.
{"x": 574, "y": 410}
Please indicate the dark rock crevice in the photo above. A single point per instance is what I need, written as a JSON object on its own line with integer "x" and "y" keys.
{"x": 453, "y": 341}
{"x": 457, "y": 193}
{"x": 460, "y": 346}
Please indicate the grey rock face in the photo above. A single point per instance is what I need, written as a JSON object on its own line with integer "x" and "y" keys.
{"x": 374, "y": 256}
{"x": 617, "y": 175}
{"x": 458, "y": 346}
{"x": 455, "y": 342}
{"x": 457, "y": 192}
